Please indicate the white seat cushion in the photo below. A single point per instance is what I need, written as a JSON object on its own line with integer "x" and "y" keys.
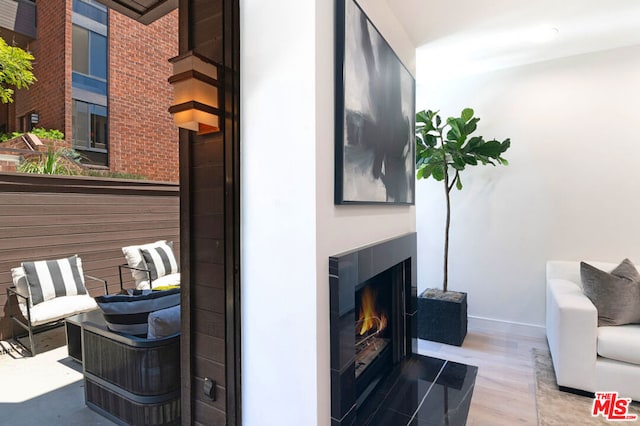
{"x": 58, "y": 308}
{"x": 171, "y": 279}
{"x": 620, "y": 343}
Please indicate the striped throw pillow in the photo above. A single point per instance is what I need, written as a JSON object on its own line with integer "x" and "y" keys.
{"x": 160, "y": 260}
{"x": 129, "y": 314}
{"x": 49, "y": 279}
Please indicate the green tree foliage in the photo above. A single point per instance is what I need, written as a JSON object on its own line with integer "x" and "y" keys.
{"x": 443, "y": 150}
{"x": 40, "y": 132}
{"x": 15, "y": 70}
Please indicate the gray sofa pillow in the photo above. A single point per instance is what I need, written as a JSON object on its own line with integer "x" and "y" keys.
{"x": 615, "y": 294}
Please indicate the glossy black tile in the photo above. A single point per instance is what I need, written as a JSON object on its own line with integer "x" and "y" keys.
{"x": 449, "y": 400}
{"x": 422, "y": 391}
{"x": 387, "y": 417}
{"x": 417, "y": 376}
{"x": 343, "y": 396}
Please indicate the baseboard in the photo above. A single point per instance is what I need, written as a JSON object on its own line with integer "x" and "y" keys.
{"x": 501, "y": 326}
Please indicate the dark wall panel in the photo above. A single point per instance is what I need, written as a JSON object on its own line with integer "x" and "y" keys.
{"x": 210, "y": 226}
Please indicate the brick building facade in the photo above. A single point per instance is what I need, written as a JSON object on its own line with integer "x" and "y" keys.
{"x": 119, "y": 100}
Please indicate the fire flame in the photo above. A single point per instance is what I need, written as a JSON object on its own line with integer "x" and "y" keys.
{"x": 368, "y": 314}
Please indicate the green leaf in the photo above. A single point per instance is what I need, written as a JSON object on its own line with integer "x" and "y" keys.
{"x": 490, "y": 149}
{"x": 467, "y": 114}
{"x": 471, "y": 126}
{"x": 438, "y": 173}
{"x": 421, "y": 117}
{"x": 474, "y": 142}
{"x": 458, "y": 163}
{"x": 458, "y": 183}
{"x": 430, "y": 140}
{"x": 470, "y": 159}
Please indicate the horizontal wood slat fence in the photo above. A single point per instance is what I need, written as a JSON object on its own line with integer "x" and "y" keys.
{"x": 49, "y": 217}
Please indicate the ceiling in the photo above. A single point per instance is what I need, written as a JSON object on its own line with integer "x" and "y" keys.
{"x": 144, "y": 11}
{"x": 459, "y": 37}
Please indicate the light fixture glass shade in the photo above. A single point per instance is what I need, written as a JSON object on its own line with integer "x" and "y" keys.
{"x": 195, "y": 93}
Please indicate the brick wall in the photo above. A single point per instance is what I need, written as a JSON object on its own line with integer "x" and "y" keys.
{"x": 7, "y": 165}
{"x": 143, "y": 138}
{"x": 52, "y": 67}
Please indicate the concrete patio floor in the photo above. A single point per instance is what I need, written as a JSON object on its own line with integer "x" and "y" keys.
{"x": 46, "y": 389}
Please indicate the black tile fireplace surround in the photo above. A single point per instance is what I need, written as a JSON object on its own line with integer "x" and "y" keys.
{"x": 414, "y": 390}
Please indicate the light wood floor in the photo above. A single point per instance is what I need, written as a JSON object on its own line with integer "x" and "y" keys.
{"x": 504, "y": 393}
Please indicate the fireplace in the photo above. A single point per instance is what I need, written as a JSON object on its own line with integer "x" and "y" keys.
{"x": 377, "y": 376}
{"x": 373, "y": 320}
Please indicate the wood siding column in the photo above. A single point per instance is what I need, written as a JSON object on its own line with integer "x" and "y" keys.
{"x": 210, "y": 227}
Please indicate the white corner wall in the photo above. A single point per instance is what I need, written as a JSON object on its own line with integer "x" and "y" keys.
{"x": 289, "y": 223}
{"x": 278, "y": 212}
{"x": 570, "y": 192}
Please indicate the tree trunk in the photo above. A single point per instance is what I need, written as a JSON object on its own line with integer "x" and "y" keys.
{"x": 446, "y": 229}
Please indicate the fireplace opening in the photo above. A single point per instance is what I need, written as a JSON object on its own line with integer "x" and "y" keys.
{"x": 374, "y": 337}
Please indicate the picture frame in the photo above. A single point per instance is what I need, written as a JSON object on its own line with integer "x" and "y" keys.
{"x": 374, "y": 115}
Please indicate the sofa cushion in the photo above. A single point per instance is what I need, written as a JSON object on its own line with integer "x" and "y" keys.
{"x": 620, "y": 343}
{"x": 48, "y": 279}
{"x": 159, "y": 260}
{"x": 164, "y": 322}
{"x": 129, "y": 314}
{"x": 135, "y": 260}
{"x": 615, "y": 294}
{"x": 59, "y": 308}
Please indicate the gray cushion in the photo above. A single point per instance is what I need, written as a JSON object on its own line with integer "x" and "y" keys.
{"x": 164, "y": 322}
{"x": 129, "y": 314}
{"x": 615, "y": 294}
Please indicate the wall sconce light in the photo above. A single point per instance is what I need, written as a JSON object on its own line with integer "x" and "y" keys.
{"x": 195, "y": 93}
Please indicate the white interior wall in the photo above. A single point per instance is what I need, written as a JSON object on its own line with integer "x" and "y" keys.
{"x": 569, "y": 193}
{"x": 289, "y": 223}
{"x": 278, "y": 224}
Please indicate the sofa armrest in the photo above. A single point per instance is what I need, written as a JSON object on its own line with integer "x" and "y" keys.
{"x": 572, "y": 333}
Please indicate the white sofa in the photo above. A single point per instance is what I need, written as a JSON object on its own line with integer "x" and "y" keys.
{"x": 587, "y": 357}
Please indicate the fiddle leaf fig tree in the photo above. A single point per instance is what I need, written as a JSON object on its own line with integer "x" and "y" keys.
{"x": 444, "y": 150}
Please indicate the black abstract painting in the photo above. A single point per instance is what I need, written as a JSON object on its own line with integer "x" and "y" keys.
{"x": 375, "y": 110}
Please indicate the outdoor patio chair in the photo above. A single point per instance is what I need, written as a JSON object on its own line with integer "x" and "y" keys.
{"x": 47, "y": 292}
{"x": 152, "y": 265}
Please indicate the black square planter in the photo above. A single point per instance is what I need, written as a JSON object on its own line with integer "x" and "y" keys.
{"x": 442, "y": 321}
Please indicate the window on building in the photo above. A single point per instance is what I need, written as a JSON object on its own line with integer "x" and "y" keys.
{"x": 89, "y": 60}
{"x": 89, "y": 64}
{"x": 91, "y": 9}
{"x": 89, "y": 126}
